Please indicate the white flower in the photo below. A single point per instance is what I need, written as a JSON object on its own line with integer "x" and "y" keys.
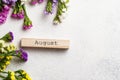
{"x": 55, "y": 22}
{"x": 2, "y": 43}
{"x": 64, "y": 10}
{"x": 63, "y": 0}
{"x": 23, "y": 2}
{"x": 1, "y": 49}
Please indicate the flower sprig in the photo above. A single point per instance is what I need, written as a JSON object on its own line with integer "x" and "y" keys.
{"x": 27, "y": 22}
{"x": 15, "y": 75}
{"x": 4, "y": 10}
{"x": 7, "y": 52}
{"x": 19, "y": 12}
{"x": 61, "y": 6}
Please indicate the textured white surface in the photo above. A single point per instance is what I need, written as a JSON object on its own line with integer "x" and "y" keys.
{"x": 93, "y": 26}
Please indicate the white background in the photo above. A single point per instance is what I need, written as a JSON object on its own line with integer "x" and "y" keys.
{"x": 92, "y": 26}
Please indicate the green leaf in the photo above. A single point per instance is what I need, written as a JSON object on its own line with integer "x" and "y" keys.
{"x": 67, "y": 1}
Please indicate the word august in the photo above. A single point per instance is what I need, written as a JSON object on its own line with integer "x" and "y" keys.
{"x": 45, "y": 43}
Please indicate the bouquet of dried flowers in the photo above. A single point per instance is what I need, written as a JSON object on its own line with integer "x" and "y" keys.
{"x": 7, "y": 52}
{"x": 19, "y": 12}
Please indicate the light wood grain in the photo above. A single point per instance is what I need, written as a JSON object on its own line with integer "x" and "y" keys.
{"x": 45, "y": 43}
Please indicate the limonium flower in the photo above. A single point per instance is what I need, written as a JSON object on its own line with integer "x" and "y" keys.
{"x": 60, "y": 5}
{"x": 8, "y": 37}
{"x": 50, "y": 6}
{"x": 23, "y": 1}
{"x": 40, "y": 1}
{"x": 4, "y": 13}
{"x": 27, "y": 22}
{"x": 62, "y": 8}
{"x": 9, "y": 2}
{"x": 18, "y": 11}
{"x": 33, "y": 2}
{"x": 4, "y": 62}
{"x": 11, "y": 75}
{"x": 7, "y": 51}
{"x": 15, "y": 75}
{"x": 24, "y": 75}
{"x": 2, "y": 42}
{"x": 22, "y": 54}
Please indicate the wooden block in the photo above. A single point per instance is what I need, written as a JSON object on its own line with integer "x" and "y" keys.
{"x": 45, "y": 43}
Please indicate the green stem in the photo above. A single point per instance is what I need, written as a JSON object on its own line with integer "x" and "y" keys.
{"x": 8, "y": 54}
{"x": 2, "y": 76}
{"x": 4, "y": 72}
{"x": 23, "y": 6}
{"x": 1, "y": 5}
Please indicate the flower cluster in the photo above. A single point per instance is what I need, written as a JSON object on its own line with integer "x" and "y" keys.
{"x": 15, "y": 75}
{"x": 4, "y": 10}
{"x": 60, "y": 5}
{"x": 52, "y": 5}
{"x": 19, "y": 12}
{"x": 4, "y": 62}
{"x": 33, "y": 2}
{"x": 7, "y": 52}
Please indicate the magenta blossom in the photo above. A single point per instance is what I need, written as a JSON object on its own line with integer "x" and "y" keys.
{"x": 40, "y": 1}
{"x": 4, "y": 13}
{"x": 27, "y": 23}
{"x": 9, "y": 2}
{"x": 22, "y": 54}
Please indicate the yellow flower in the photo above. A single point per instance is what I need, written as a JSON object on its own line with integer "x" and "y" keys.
{"x": 12, "y": 75}
{"x": 1, "y": 57}
{"x": 9, "y": 57}
{"x": 7, "y": 62}
{"x": 12, "y": 46}
{"x": 24, "y": 79}
{"x": 26, "y": 75}
{"x": 3, "y": 67}
{"x": 8, "y": 48}
{"x": 1, "y": 50}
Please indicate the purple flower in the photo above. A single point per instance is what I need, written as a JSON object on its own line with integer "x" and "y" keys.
{"x": 9, "y": 2}
{"x": 46, "y": 12}
{"x": 20, "y": 15}
{"x": 55, "y": 1}
{"x": 8, "y": 37}
{"x": 18, "y": 12}
{"x": 2, "y": 18}
{"x": 11, "y": 37}
{"x": 6, "y": 8}
{"x": 27, "y": 23}
{"x": 40, "y": 1}
{"x": 4, "y": 13}
{"x": 26, "y": 27}
{"x": 14, "y": 15}
{"x": 22, "y": 54}
{"x": 33, "y": 2}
